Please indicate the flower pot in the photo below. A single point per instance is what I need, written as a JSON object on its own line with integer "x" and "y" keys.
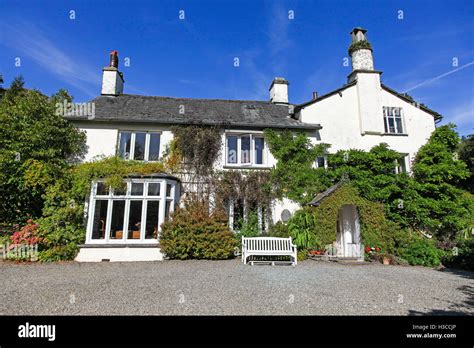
{"x": 386, "y": 260}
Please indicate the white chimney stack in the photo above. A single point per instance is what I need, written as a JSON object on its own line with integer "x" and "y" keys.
{"x": 112, "y": 78}
{"x": 279, "y": 91}
{"x": 361, "y": 51}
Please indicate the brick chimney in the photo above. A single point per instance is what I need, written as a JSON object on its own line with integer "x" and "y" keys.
{"x": 112, "y": 78}
{"x": 279, "y": 91}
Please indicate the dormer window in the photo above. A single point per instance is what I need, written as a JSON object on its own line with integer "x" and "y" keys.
{"x": 393, "y": 120}
{"x": 140, "y": 146}
{"x": 245, "y": 150}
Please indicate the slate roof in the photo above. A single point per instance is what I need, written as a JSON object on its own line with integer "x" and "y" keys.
{"x": 321, "y": 196}
{"x": 166, "y": 110}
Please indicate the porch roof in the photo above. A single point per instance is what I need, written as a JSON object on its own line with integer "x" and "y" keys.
{"x": 322, "y": 195}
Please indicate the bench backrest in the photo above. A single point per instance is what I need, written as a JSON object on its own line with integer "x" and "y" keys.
{"x": 268, "y": 243}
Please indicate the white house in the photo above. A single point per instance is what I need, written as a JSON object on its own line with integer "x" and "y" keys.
{"x": 125, "y": 225}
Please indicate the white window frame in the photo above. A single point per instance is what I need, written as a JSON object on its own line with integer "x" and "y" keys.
{"x": 252, "y": 163}
{"x": 398, "y": 167}
{"x": 132, "y": 144}
{"x": 316, "y": 165}
{"x": 263, "y": 219}
{"x": 144, "y": 198}
{"x": 386, "y": 117}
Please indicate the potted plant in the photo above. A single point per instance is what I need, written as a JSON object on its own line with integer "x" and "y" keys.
{"x": 386, "y": 259}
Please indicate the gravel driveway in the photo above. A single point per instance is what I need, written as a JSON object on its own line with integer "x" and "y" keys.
{"x": 229, "y": 287}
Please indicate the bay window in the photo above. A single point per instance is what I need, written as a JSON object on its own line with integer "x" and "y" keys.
{"x": 132, "y": 214}
{"x": 245, "y": 150}
{"x": 141, "y": 146}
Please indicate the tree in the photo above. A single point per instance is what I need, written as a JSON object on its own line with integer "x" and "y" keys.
{"x": 435, "y": 201}
{"x": 36, "y": 146}
{"x": 466, "y": 154}
{"x": 372, "y": 172}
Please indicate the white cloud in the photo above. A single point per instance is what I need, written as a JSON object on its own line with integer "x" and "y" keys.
{"x": 31, "y": 41}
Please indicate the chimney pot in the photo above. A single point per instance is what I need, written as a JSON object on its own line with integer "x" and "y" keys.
{"x": 112, "y": 78}
{"x": 114, "y": 59}
{"x": 315, "y": 95}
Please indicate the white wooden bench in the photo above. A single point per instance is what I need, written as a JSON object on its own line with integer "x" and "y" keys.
{"x": 268, "y": 246}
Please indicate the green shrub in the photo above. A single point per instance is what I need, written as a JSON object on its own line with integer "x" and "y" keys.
{"x": 302, "y": 229}
{"x": 363, "y": 44}
{"x": 302, "y": 254}
{"x": 464, "y": 256}
{"x": 279, "y": 230}
{"x": 247, "y": 228}
{"x": 195, "y": 233}
{"x": 59, "y": 253}
{"x": 422, "y": 252}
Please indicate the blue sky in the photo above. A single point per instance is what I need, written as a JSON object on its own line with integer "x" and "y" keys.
{"x": 194, "y": 57}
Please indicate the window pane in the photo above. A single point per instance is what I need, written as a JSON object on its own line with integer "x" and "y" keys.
{"x": 245, "y": 149}
{"x": 134, "y": 220}
{"x": 124, "y": 146}
{"x": 154, "y": 151}
{"x": 116, "y": 225}
{"x": 154, "y": 189}
{"x": 391, "y": 125}
{"x": 137, "y": 189}
{"x": 320, "y": 162}
{"x": 231, "y": 149}
{"x": 120, "y": 191}
{"x": 402, "y": 168}
{"x": 152, "y": 214}
{"x": 100, "y": 219}
{"x": 238, "y": 214}
{"x": 102, "y": 189}
{"x": 139, "y": 152}
{"x": 398, "y": 120}
{"x": 167, "y": 209}
{"x": 168, "y": 190}
{"x": 259, "y": 147}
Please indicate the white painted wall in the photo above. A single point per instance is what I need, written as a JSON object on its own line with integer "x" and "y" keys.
{"x": 102, "y": 138}
{"x": 119, "y": 254}
{"x": 345, "y": 128}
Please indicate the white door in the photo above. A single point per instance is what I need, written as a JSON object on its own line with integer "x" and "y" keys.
{"x": 349, "y": 227}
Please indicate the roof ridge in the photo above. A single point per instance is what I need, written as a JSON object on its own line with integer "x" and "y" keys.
{"x": 186, "y": 98}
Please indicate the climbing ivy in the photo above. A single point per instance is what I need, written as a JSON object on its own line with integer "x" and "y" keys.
{"x": 316, "y": 227}
{"x": 363, "y": 44}
{"x": 197, "y": 147}
{"x": 251, "y": 186}
{"x": 295, "y": 176}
